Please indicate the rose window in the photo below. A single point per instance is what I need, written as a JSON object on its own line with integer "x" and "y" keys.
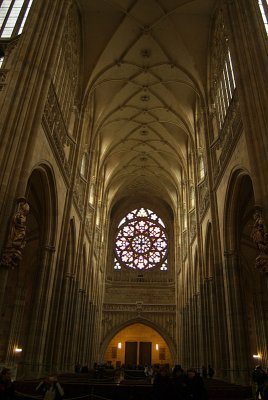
{"x": 141, "y": 241}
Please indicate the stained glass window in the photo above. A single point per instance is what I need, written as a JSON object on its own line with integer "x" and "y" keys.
{"x": 141, "y": 241}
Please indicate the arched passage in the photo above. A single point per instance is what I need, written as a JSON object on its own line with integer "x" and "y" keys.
{"x": 137, "y": 343}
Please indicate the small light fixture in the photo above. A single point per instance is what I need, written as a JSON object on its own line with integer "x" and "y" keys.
{"x": 119, "y": 345}
{"x": 18, "y": 350}
{"x": 156, "y": 347}
{"x": 258, "y": 356}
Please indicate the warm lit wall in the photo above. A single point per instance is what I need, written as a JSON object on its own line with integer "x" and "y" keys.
{"x": 137, "y": 333}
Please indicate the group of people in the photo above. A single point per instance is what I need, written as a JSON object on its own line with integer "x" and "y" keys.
{"x": 49, "y": 388}
{"x": 178, "y": 385}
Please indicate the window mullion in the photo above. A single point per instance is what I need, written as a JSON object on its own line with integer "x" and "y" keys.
{"x": 230, "y": 76}
{"x": 24, "y": 14}
{"x": 232, "y": 70}
{"x": 227, "y": 82}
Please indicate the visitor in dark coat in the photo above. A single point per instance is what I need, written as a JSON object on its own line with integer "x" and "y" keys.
{"x": 162, "y": 385}
{"x": 195, "y": 386}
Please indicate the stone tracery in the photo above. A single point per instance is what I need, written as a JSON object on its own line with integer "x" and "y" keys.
{"x": 141, "y": 242}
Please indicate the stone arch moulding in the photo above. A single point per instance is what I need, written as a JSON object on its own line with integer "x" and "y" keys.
{"x": 48, "y": 182}
{"x": 24, "y": 319}
{"x": 140, "y": 320}
{"x": 230, "y": 207}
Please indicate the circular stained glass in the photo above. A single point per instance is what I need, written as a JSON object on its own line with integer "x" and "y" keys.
{"x": 141, "y": 241}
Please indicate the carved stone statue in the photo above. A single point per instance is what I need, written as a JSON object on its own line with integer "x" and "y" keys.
{"x": 259, "y": 232}
{"x": 12, "y": 253}
{"x": 259, "y": 236}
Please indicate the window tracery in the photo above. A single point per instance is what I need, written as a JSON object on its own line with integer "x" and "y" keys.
{"x": 141, "y": 241}
{"x": 223, "y": 79}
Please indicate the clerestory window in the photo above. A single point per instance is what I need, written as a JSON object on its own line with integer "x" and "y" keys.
{"x": 141, "y": 242}
{"x": 224, "y": 88}
{"x": 13, "y": 14}
{"x": 223, "y": 83}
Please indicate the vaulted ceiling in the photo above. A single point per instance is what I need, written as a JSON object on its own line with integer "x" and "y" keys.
{"x": 145, "y": 67}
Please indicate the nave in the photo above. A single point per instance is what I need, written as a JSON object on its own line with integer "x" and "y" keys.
{"x": 133, "y": 185}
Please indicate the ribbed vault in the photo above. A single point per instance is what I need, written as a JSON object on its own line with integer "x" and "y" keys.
{"x": 145, "y": 72}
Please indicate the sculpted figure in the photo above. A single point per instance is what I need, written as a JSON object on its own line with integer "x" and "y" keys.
{"x": 259, "y": 233}
{"x": 16, "y": 240}
{"x": 18, "y": 229}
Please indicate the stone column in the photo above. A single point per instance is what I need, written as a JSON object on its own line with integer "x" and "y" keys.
{"x": 235, "y": 323}
{"x": 62, "y": 322}
{"x": 186, "y": 337}
{"x": 70, "y": 336}
{"x": 78, "y": 325}
{"x": 196, "y": 330}
{"x": 220, "y": 318}
{"x": 41, "y": 314}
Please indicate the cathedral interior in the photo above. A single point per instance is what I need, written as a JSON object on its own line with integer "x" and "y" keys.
{"x": 133, "y": 184}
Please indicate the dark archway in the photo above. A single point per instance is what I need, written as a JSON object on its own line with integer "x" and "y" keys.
{"x": 244, "y": 297}
{"x": 27, "y": 286}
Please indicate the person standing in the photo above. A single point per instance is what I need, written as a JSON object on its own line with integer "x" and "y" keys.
{"x": 162, "y": 386}
{"x": 6, "y": 385}
{"x": 204, "y": 372}
{"x": 179, "y": 386}
{"x": 211, "y": 371}
{"x": 195, "y": 388}
{"x": 260, "y": 378}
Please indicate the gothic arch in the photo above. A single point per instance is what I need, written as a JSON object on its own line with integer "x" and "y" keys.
{"x": 140, "y": 320}
{"x": 241, "y": 276}
{"x": 41, "y": 232}
{"x": 42, "y": 182}
{"x": 239, "y": 193}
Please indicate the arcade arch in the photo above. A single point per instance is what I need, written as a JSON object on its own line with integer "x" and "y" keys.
{"x": 21, "y": 291}
{"x": 246, "y": 331}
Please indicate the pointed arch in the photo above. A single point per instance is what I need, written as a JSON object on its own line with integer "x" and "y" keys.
{"x": 247, "y": 326}
{"x": 157, "y": 328}
{"x": 240, "y": 195}
{"x": 28, "y": 300}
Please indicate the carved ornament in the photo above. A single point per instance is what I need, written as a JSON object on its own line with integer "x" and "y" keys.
{"x": 259, "y": 235}
{"x": 12, "y": 253}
